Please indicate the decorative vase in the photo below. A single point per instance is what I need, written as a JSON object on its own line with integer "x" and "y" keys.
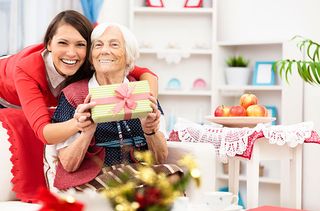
{"x": 237, "y": 75}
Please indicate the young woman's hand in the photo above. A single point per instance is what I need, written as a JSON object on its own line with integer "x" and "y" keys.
{"x": 82, "y": 114}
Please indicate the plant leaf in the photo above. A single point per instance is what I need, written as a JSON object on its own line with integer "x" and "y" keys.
{"x": 309, "y": 71}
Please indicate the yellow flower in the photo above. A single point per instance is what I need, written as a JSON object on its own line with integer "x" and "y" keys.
{"x": 147, "y": 175}
{"x": 188, "y": 161}
{"x": 145, "y": 156}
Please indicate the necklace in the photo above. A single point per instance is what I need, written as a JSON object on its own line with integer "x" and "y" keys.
{"x": 124, "y": 149}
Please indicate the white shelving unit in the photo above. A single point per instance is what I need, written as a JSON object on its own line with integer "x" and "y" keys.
{"x": 287, "y": 98}
{"x": 184, "y": 44}
{"x": 269, "y": 182}
{"x": 178, "y": 48}
{"x": 242, "y": 178}
{"x": 229, "y": 94}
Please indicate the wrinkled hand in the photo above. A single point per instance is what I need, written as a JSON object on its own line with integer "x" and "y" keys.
{"x": 151, "y": 123}
{"x": 82, "y": 115}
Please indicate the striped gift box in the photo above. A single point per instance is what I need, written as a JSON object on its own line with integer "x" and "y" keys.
{"x": 120, "y": 101}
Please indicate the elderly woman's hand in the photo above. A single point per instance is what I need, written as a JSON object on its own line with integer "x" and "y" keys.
{"x": 151, "y": 123}
{"x": 82, "y": 114}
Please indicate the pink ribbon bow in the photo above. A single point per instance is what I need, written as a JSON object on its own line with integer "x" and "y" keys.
{"x": 124, "y": 93}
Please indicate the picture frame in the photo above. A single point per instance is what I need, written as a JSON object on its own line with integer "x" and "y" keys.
{"x": 193, "y": 3}
{"x": 154, "y": 3}
{"x": 263, "y": 74}
{"x": 272, "y": 112}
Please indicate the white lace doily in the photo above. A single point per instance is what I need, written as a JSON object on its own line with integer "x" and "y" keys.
{"x": 227, "y": 141}
{"x": 291, "y": 134}
{"x": 232, "y": 141}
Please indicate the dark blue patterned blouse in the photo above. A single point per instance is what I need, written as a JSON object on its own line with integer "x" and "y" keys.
{"x": 107, "y": 134}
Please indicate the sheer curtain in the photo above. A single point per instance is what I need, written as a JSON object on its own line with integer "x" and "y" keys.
{"x": 23, "y": 24}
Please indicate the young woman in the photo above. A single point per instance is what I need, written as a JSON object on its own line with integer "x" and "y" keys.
{"x": 113, "y": 54}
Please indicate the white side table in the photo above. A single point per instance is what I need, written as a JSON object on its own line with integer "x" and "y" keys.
{"x": 291, "y": 173}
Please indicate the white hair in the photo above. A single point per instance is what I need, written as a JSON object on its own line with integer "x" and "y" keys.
{"x": 130, "y": 42}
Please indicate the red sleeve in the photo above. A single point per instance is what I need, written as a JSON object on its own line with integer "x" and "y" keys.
{"x": 138, "y": 71}
{"x": 34, "y": 99}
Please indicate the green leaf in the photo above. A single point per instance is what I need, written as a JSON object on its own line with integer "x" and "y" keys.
{"x": 288, "y": 70}
{"x": 314, "y": 72}
{"x": 307, "y": 72}
{"x": 317, "y": 67}
{"x": 316, "y": 54}
{"x": 309, "y": 51}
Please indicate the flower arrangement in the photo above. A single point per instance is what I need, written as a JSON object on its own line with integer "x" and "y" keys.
{"x": 158, "y": 192}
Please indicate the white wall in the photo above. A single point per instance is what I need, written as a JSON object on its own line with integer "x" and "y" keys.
{"x": 257, "y": 20}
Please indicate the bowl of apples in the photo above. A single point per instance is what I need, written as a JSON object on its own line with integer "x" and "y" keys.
{"x": 247, "y": 114}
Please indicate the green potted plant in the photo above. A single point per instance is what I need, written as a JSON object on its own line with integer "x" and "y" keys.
{"x": 309, "y": 70}
{"x": 237, "y": 71}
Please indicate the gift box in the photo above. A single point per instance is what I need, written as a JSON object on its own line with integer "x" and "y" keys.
{"x": 120, "y": 101}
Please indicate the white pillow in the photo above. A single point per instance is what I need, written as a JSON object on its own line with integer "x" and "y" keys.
{"x": 5, "y": 166}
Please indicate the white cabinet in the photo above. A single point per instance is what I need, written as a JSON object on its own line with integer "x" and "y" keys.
{"x": 176, "y": 43}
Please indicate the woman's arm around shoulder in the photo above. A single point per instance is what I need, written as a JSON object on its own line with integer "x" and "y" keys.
{"x": 140, "y": 73}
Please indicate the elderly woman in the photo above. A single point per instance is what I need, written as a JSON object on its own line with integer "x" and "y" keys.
{"x": 113, "y": 54}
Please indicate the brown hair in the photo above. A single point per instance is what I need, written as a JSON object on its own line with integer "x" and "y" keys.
{"x": 84, "y": 27}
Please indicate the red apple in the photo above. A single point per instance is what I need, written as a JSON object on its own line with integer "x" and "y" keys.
{"x": 257, "y": 110}
{"x": 247, "y": 100}
{"x": 222, "y": 111}
{"x": 238, "y": 111}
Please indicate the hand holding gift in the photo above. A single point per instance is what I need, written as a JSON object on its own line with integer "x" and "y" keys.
{"x": 82, "y": 114}
{"x": 151, "y": 123}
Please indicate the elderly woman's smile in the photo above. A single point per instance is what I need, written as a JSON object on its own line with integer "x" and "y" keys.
{"x": 106, "y": 60}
